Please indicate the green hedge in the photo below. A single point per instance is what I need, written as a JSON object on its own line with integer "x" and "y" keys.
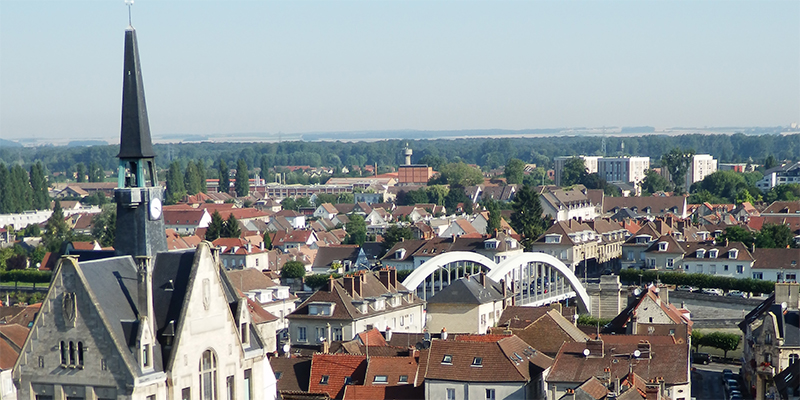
{"x": 26, "y": 275}
{"x": 701, "y": 281}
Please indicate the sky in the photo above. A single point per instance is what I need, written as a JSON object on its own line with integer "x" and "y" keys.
{"x": 216, "y": 67}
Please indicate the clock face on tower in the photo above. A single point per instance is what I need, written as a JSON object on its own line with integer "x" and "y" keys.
{"x": 155, "y": 208}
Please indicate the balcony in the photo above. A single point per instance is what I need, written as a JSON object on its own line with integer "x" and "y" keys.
{"x": 766, "y": 369}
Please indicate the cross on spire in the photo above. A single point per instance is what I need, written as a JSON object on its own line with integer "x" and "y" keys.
{"x": 129, "y": 3}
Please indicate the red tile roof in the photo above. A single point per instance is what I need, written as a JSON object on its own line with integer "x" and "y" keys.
{"x": 337, "y": 368}
{"x": 371, "y": 338}
{"x": 399, "y": 392}
{"x": 392, "y": 368}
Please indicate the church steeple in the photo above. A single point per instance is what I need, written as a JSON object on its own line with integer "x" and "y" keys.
{"x": 140, "y": 227}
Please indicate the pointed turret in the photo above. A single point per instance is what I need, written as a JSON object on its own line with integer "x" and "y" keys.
{"x": 140, "y": 226}
{"x": 134, "y": 139}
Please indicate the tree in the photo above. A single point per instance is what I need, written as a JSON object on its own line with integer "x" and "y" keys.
{"x": 96, "y": 173}
{"x": 697, "y": 339}
{"x": 436, "y": 194}
{"x": 775, "y": 236}
{"x": 736, "y": 233}
{"x": 514, "y": 171}
{"x": 242, "y": 179}
{"x": 677, "y": 164}
{"x": 267, "y": 240}
{"x": 224, "y": 177}
{"x": 770, "y": 162}
{"x": 527, "y": 216}
{"x": 80, "y": 172}
{"x": 573, "y": 172}
{"x": 395, "y": 234}
{"x": 289, "y": 204}
{"x": 265, "y": 167}
{"x": 293, "y": 269}
{"x": 201, "y": 173}
{"x": 191, "y": 179}
{"x": 653, "y": 182}
{"x": 458, "y": 174}
{"x": 231, "y": 228}
{"x": 721, "y": 340}
{"x": 175, "y": 188}
{"x": 356, "y": 230}
{"x": 454, "y": 197}
{"x": 785, "y": 192}
{"x": 413, "y": 197}
{"x": 56, "y": 230}
{"x": 494, "y": 216}
{"x": 38, "y": 182}
{"x": 104, "y": 225}
{"x": 32, "y": 230}
{"x": 216, "y": 227}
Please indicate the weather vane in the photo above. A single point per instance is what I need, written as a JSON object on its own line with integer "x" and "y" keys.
{"x": 129, "y": 3}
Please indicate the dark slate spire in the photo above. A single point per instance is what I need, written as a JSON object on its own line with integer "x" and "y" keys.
{"x": 134, "y": 139}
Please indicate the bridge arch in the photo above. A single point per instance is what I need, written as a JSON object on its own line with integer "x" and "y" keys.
{"x": 508, "y": 266}
{"x": 423, "y": 271}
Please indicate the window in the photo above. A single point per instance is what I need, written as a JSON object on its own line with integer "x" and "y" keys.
{"x": 229, "y": 387}
{"x": 186, "y": 394}
{"x": 248, "y": 384}
{"x": 758, "y": 275}
{"x": 64, "y": 353}
{"x": 740, "y": 269}
{"x": 244, "y": 333}
{"x": 483, "y": 319}
{"x": 791, "y": 277}
{"x": 477, "y": 362}
{"x": 337, "y": 334}
{"x": 794, "y": 358}
{"x": 146, "y": 355}
{"x": 323, "y": 380}
{"x": 348, "y": 380}
{"x": 447, "y": 359}
{"x": 670, "y": 262}
{"x": 80, "y": 354}
{"x": 490, "y": 394}
{"x": 151, "y": 397}
{"x": 768, "y": 358}
{"x": 451, "y": 394}
{"x": 712, "y": 269}
{"x": 700, "y": 268}
{"x": 380, "y": 379}
{"x": 725, "y": 267}
{"x": 208, "y": 376}
{"x": 404, "y": 378}
{"x": 71, "y": 353}
{"x": 301, "y": 334}
{"x": 402, "y": 320}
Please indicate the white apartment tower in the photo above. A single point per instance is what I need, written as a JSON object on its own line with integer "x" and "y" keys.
{"x": 701, "y": 166}
{"x": 623, "y": 169}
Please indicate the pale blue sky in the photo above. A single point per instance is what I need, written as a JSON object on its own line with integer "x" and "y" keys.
{"x": 300, "y": 66}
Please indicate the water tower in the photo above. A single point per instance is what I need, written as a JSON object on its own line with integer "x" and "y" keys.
{"x": 407, "y": 152}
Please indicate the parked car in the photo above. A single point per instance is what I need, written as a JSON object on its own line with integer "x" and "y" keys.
{"x": 713, "y": 292}
{"x": 686, "y": 288}
{"x": 731, "y": 384}
{"x": 701, "y": 358}
{"x": 737, "y": 293}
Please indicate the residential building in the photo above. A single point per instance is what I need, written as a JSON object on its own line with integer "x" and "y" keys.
{"x": 237, "y": 253}
{"x": 12, "y": 339}
{"x": 459, "y": 227}
{"x": 572, "y": 242}
{"x": 326, "y": 211}
{"x": 589, "y": 161}
{"x": 565, "y": 204}
{"x": 340, "y": 259}
{"x": 777, "y": 265}
{"x": 650, "y": 313}
{"x": 546, "y": 327}
{"x": 659, "y": 357}
{"x": 485, "y": 367}
{"x": 401, "y": 255}
{"x": 185, "y": 221}
{"x": 789, "y": 173}
{"x": 285, "y": 240}
{"x": 700, "y": 166}
{"x": 297, "y": 220}
{"x": 471, "y": 304}
{"x": 648, "y": 206}
{"x": 731, "y": 259}
{"x": 635, "y": 246}
{"x": 272, "y": 297}
{"x": 771, "y": 340}
{"x": 623, "y": 169}
{"x": 355, "y": 303}
{"x": 664, "y": 253}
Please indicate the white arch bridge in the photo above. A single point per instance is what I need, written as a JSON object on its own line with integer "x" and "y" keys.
{"x": 534, "y": 278}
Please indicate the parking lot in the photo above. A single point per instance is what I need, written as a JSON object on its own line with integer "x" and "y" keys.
{"x": 707, "y": 381}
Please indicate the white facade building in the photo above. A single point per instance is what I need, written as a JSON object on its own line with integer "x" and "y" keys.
{"x": 623, "y": 169}
{"x": 701, "y": 166}
{"x": 589, "y": 161}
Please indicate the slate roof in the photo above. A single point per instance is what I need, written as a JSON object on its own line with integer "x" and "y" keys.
{"x": 548, "y": 331}
{"x": 657, "y": 204}
{"x": 135, "y": 139}
{"x": 788, "y": 259}
{"x": 723, "y": 251}
{"x": 469, "y": 291}
{"x": 783, "y": 207}
{"x": 326, "y": 255}
{"x": 667, "y": 360}
{"x": 673, "y": 246}
{"x": 506, "y": 360}
{"x": 292, "y": 373}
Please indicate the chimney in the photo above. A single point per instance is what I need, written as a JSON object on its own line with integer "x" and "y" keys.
{"x": 393, "y": 277}
{"x": 789, "y": 293}
{"x": 249, "y": 248}
{"x": 644, "y": 348}
{"x": 596, "y": 348}
{"x": 331, "y": 283}
{"x": 388, "y": 334}
{"x": 482, "y": 278}
{"x": 504, "y": 288}
{"x": 663, "y": 293}
{"x": 349, "y": 285}
{"x": 443, "y": 335}
{"x": 261, "y": 245}
{"x": 653, "y": 392}
{"x": 383, "y": 276}
{"x": 357, "y": 281}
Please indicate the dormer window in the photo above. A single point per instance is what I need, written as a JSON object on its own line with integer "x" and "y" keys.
{"x": 713, "y": 253}
{"x": 552, "y": 238}
{"x": 643, "y": 239}
{"x": 662, "y": 246}
{"x": 477, "y": 362}
{"x": 447, "y": 359}
{"x": 701, "y": 253}
{"x": 399, "y": 254}
{"x": 379, "y": 304}
{"x": 146, "y": 356}
{"x": 324, "y": 309}
{"x": 733, "y": 253}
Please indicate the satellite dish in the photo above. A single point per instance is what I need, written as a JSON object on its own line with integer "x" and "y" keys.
{"x": 286, "y": 348}
{"x": 637, "y": 353}
{"x": 586, "y": 352}
{"x": 637, "y": 292}
{"x": 784, "y": 306}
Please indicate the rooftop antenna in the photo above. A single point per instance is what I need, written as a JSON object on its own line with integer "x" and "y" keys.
{"x": 129, "y": 3}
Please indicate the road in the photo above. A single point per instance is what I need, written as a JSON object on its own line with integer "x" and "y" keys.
{"x": 707, "y": 381}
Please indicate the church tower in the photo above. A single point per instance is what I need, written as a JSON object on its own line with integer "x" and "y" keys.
{"x": 140, "y": 225}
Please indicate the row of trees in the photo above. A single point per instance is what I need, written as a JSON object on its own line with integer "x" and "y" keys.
{"x": 719, "y": 340}
{"x": 192, "y": 179}
{"x": 635, "y": 276}
{"x": 21, "y": 191}
{"x": 771, "y": 236}
{"x": 219, "y": 228}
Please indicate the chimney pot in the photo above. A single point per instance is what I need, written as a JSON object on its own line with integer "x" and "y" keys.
{"x": 443, "y": 334}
